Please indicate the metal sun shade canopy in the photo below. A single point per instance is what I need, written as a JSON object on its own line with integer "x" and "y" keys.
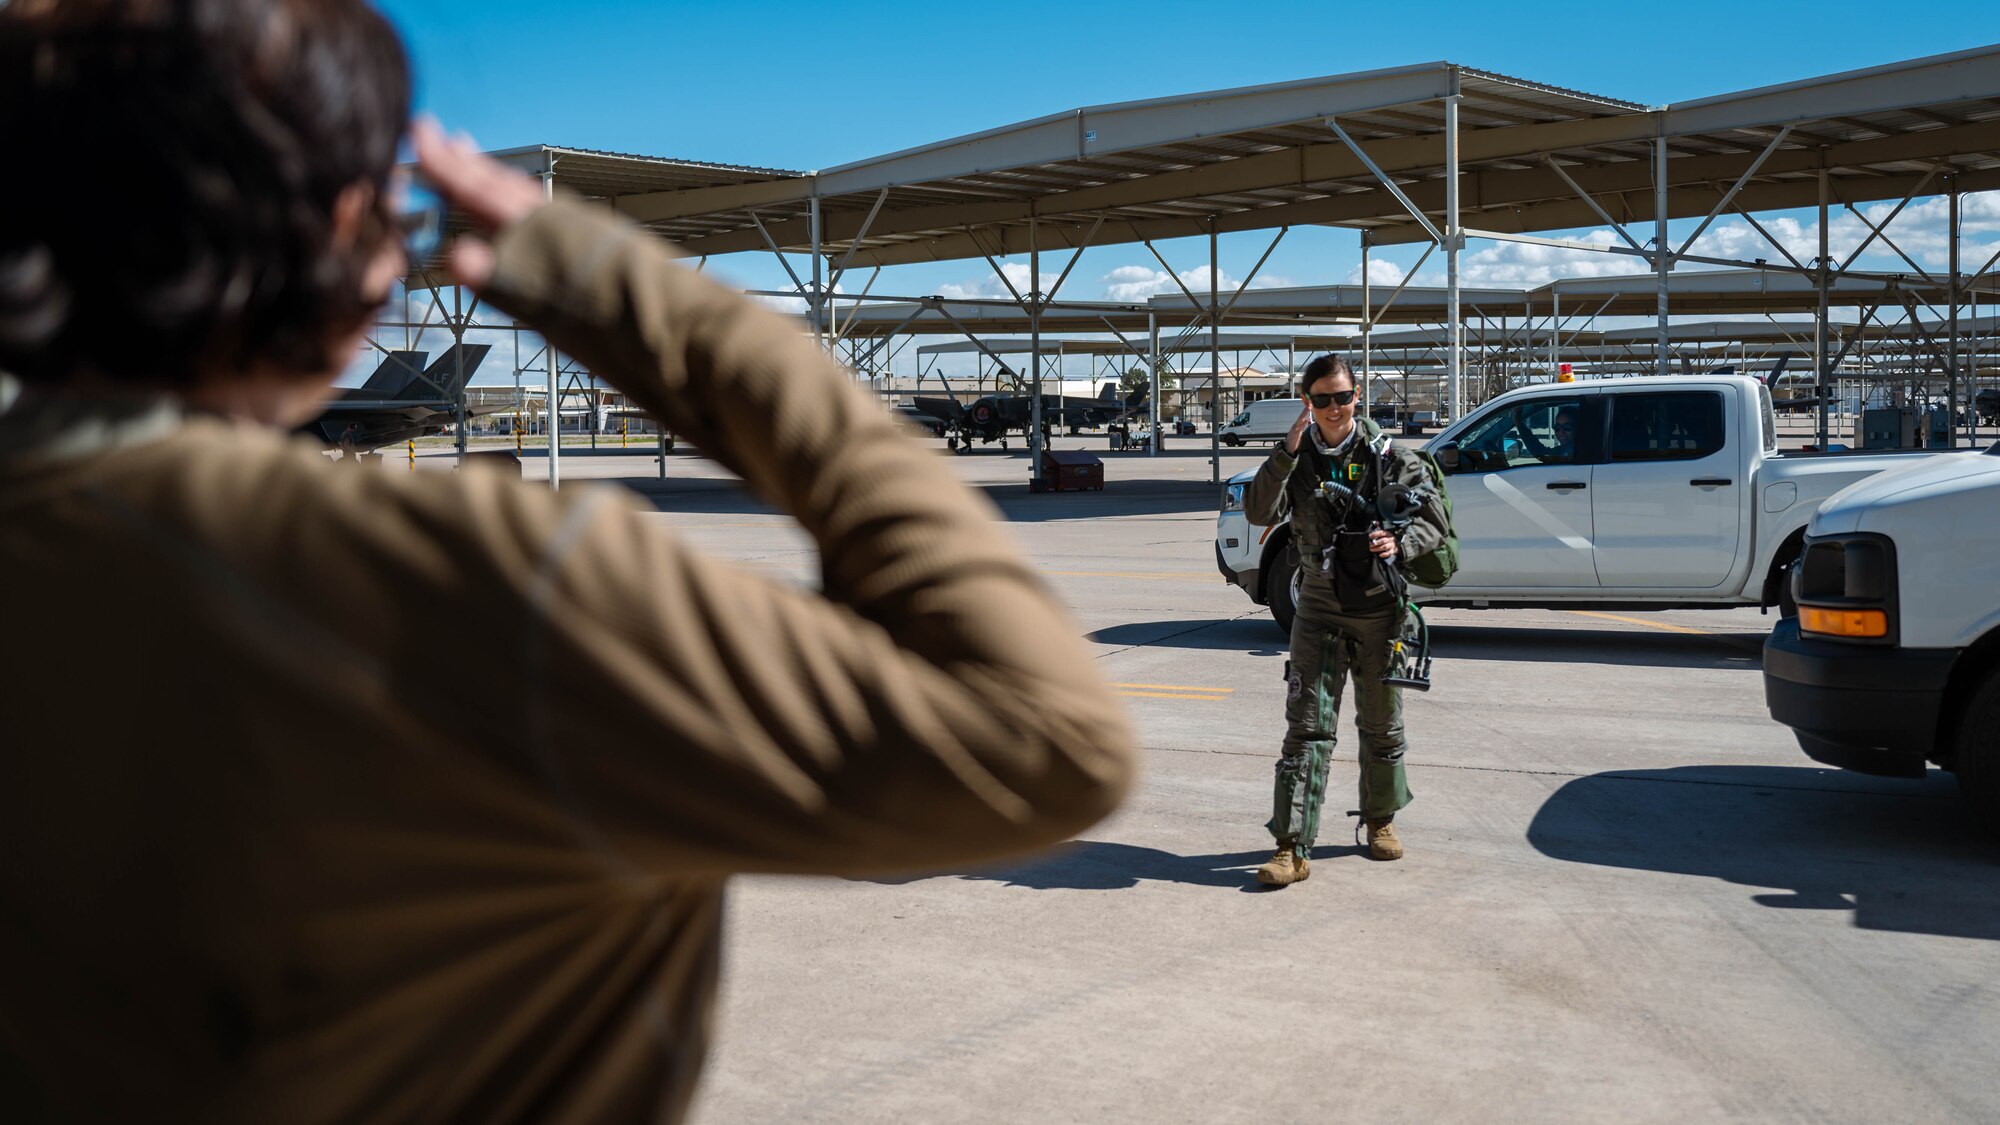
{"x": 1432, "y": 152}
{"x": 1262, "y": 157}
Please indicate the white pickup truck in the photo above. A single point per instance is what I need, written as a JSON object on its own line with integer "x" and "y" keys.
{"x": 1654, "y": 493}
{"x": 1894, "y": 658}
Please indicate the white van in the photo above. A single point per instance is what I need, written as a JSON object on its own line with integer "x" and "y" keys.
{"x": 1266, "y": 420}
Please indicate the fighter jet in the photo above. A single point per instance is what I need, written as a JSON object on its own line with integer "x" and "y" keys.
{"x": 401, "y": 400}
{"x": 993, "y": 417}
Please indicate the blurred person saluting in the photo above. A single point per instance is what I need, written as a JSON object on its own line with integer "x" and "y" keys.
{"x": 274, "y": 847}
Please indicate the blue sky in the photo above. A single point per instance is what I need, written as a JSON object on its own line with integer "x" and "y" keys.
{"x": 806, "y": 86}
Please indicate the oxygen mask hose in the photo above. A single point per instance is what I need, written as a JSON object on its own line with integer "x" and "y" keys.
{"x": 1410, "y": 653}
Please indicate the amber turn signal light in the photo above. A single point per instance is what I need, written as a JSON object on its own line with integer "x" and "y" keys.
{"x": 1844, "y": 622}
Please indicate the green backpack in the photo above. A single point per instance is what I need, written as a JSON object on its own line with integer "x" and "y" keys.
{"x": 1435, "y": 568}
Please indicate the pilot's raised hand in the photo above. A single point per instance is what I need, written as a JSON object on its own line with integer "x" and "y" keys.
{"x": 1298, "y": 433}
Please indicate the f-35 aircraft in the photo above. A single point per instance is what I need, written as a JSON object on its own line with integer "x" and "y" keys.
{"x": 991, "y": 418}
{"x": 402, "y": 400}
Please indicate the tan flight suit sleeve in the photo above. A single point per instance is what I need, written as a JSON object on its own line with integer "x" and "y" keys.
{"x": 934, "y": 705}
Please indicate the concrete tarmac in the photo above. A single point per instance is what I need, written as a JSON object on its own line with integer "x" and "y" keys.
{"x": 1628, "y": 896}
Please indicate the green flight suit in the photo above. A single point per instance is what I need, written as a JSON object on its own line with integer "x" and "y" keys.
{"x": 1345, "y": 626}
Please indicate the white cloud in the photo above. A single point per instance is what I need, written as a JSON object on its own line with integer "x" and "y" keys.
{"x": 1379, "y": 273}
{"x": 794, "y": 305}
{"x": 1136, "y": 283}
{"x": 1919, "y": 230}
{"x": 989, "y": 287}
{"x": 788, "y": 302}
{"x": 1521, "y": 265}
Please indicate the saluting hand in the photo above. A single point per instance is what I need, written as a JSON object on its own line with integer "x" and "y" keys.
{"x": 488, "y": 192}
{"x": 1298, "y": 430}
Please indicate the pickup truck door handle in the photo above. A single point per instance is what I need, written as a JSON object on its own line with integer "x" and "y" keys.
{"x": 1711, "y": 482}
{"x": 1565, "y": 485}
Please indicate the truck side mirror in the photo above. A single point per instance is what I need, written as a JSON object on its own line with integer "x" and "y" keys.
{"x": 1447, "y": 456}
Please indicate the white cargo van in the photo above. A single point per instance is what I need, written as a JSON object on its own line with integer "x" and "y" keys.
{"x": 1266, "y": 420}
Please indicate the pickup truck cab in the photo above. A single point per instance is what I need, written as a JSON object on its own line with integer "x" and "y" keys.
{"x": 1894, "y": 659}
{"x": 1649, "y": 493}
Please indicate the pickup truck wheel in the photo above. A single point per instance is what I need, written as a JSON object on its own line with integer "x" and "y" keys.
{"x": 1281, "y": 586}
{"x": 1976, "y": 753}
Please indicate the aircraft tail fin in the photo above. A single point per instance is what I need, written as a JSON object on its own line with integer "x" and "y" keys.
{"x": 443, "y": 378}
{"x": 1108, "y": 393}
{"x": 398, "y": 371}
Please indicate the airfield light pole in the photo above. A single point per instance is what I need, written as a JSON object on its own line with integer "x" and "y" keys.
{"x": 549, "y": 349}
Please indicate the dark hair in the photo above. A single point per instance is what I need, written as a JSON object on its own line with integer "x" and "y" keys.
{"x": 1322, "y": 367}
{"x": 174, "y": 215}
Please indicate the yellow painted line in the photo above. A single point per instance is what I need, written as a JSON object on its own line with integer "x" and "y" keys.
{"x": 1181, "y": 687}
{"x": 1176, "y": 695}
{"x": 1709, "y": 633}
{"x": 1175, "y": 576}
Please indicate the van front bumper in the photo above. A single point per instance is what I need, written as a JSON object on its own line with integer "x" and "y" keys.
{"x": 1871, "y": 710}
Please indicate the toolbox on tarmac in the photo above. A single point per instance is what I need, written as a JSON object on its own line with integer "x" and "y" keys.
{"x": 1071, "y": 470}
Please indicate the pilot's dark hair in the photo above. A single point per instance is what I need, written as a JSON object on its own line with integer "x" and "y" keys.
{"x": 170, "y": 209}
{"x": 1323, "y": 366}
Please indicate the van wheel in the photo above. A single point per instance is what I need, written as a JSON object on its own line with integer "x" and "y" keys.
{"x": 1281, "y": 586}
{"x": 1231, "y": 440}
{"x": 1976, "y": 753}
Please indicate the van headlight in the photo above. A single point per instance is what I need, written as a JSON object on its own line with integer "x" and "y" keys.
{"x": 1232, "y": 497}
{"x": 1845, "y": 587}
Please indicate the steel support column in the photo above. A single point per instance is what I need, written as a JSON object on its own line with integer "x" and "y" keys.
{"x": 1454, "y": 238}
{"x": 1035, "y": 357}
{"x": 458, "y": 365}
{"x": 1662, "y": 253}
{"x": 1153, "y": 380}
{"x": 549, "y": 352}
{"x": 1214, "y": 366}
{"x": 1952, "y": 299}
{"x": 814, "y": 306}
{"x": 1825, "y": 389}
{"x": 1367, "y": 331}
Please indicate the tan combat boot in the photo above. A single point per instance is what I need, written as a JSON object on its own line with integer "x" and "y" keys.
{"x": 1382, "y": 842}
{"x": 1285, "y": 868}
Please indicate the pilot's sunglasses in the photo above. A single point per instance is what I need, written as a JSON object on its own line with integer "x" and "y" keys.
{"x": 1328, "y": 398}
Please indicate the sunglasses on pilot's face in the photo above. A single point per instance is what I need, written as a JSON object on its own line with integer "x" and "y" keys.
{"x": 1331, "y": 398}
{"x": 1565, "y": 427}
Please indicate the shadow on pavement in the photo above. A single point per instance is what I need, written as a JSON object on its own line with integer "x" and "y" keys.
{"x": 1253, "y": 635}
{"x": 1902, "y": 855}
{"x": 1094, "y": 865}
{"x": 1626, "y": 648}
